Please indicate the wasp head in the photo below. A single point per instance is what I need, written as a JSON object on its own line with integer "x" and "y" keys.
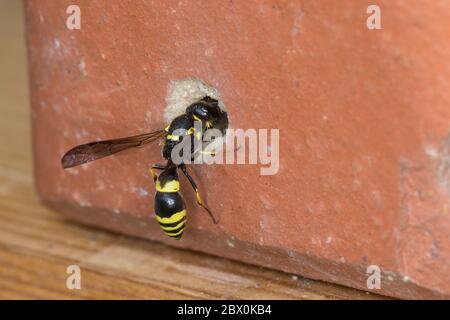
{"x": 207, "y": 111}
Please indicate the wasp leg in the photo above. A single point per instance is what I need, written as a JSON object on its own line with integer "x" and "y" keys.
{"x": 157, "y": 167}
{"x": 211, "y": 153}
{"x": 197, "y": 194}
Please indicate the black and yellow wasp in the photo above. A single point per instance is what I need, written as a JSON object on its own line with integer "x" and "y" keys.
{"x": 170, "y": 208}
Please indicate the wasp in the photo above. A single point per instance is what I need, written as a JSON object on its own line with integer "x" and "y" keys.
{"x": 170, "y": 207}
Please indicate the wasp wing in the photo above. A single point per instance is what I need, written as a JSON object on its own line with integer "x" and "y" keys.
{"x": 99, "y": 149}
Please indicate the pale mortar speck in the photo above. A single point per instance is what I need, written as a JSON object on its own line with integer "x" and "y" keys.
{"x": 184, "y": 92}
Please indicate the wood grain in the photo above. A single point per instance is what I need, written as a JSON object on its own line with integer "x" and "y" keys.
{"x": 37, "y": 245}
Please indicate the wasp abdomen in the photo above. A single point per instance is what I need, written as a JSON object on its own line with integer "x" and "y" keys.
{"x": 170, "y": 208}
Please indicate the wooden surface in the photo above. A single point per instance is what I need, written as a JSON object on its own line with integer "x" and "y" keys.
{"x": 37, "y": 244}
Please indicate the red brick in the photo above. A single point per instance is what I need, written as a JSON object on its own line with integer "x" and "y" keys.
{"x": 364, "y": 116}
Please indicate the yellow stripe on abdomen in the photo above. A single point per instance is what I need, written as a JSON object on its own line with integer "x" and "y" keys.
{"x": 176, "y": 217}
{"x": 169, "y": 229}
{"x": 174, "y": 225}
{"x": 169, "y": 186}
{"x": 175, "y": 234}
